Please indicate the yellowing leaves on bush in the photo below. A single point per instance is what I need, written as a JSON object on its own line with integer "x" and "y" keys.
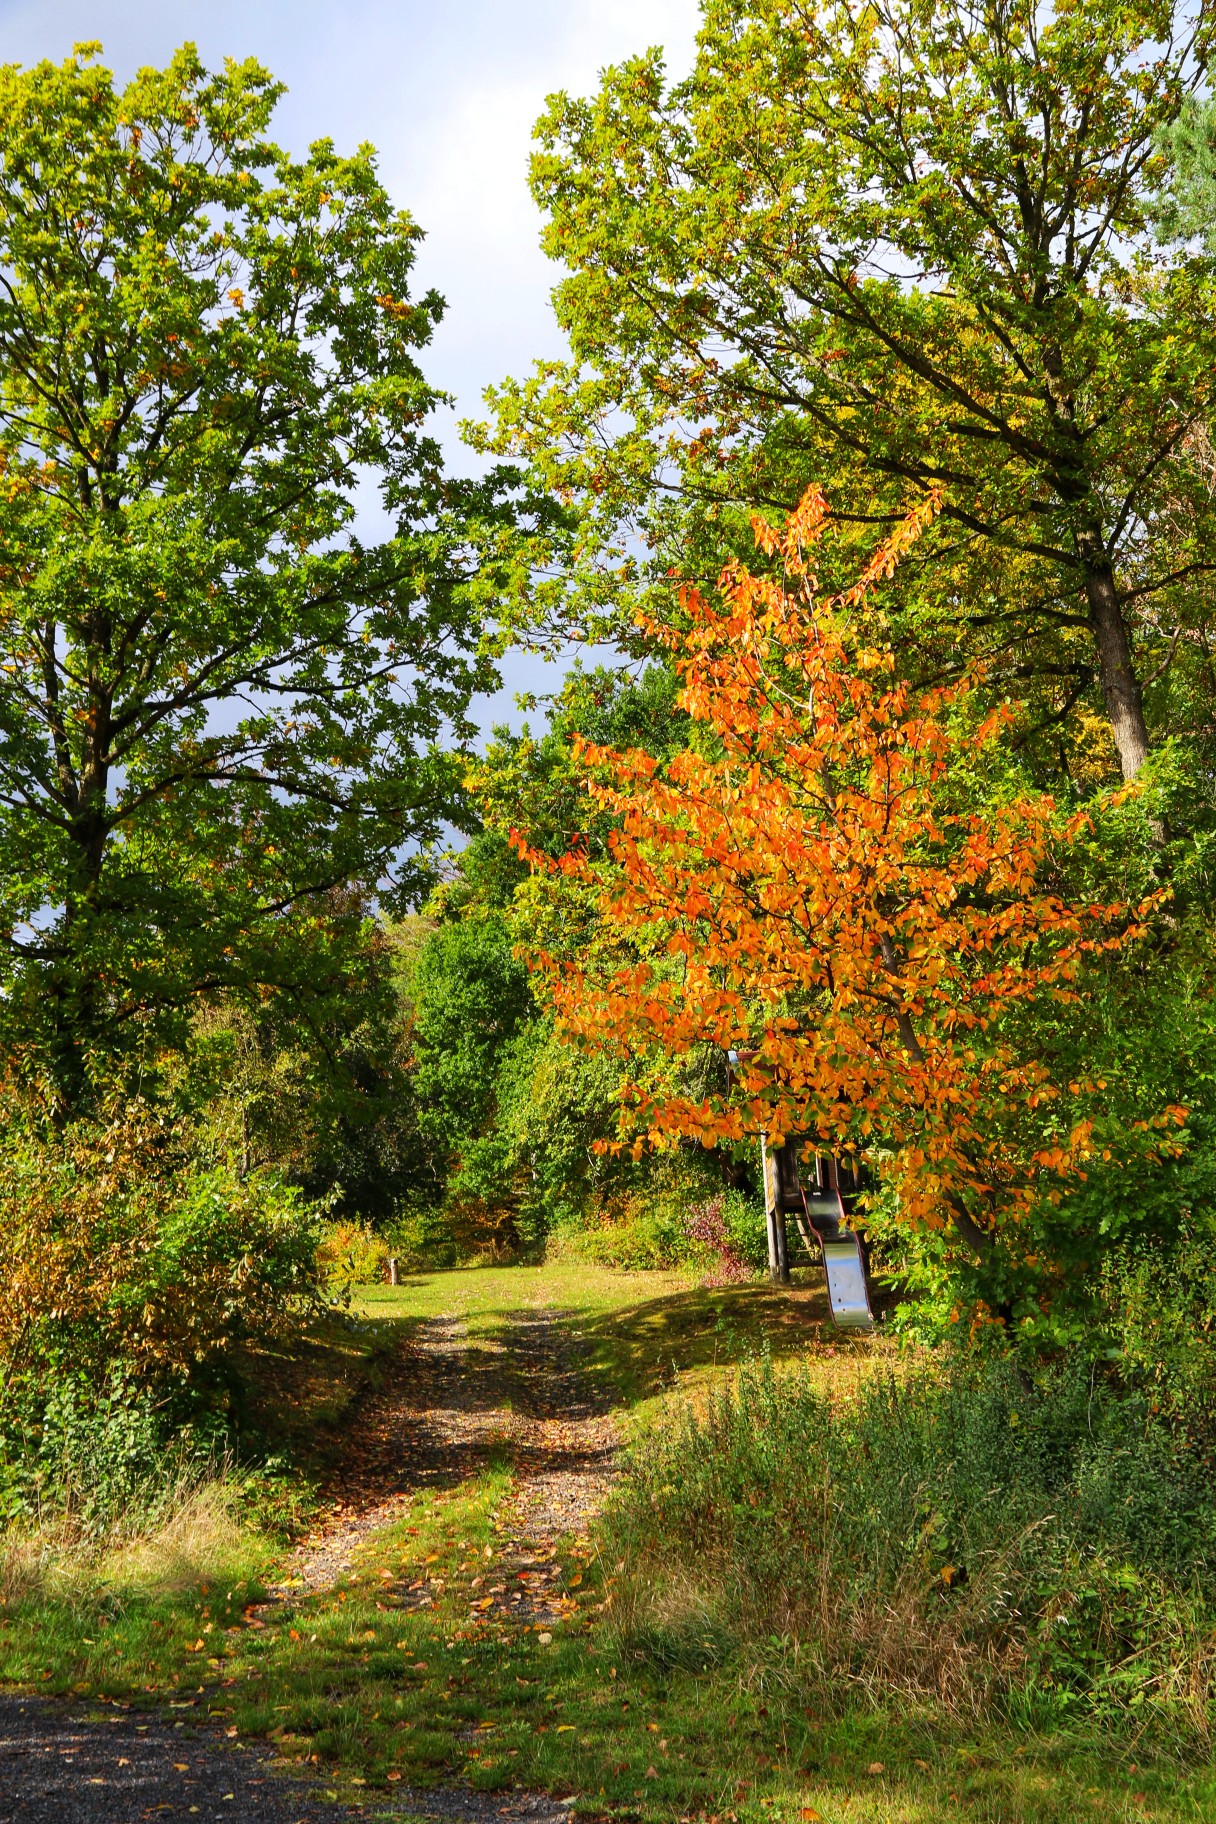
{"x": 121, "y": 1247}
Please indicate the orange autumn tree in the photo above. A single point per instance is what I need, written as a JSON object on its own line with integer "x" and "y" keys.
{"x": 812, "y": 886}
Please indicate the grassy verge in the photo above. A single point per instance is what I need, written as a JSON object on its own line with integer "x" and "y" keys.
{"x": 372, "y": 1698}
{"x": 639, "y": 1332}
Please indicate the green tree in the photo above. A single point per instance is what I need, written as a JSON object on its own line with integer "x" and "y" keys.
{"x": 470, "y": 996}
{"x": 316, "y": 1085}
{"x": 217, "y": 703}
{"x": 886, "y": 249}
{"x": 1186, "y": 206}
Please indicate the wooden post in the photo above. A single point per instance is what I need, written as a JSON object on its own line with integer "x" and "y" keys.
{"x": 392, "y": 1270}
{"x": 783, "y": 1250}
{"x": 778, "y": 1246}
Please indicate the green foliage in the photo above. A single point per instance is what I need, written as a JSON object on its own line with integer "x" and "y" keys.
{"x": 673, "y": 1215}
{"x": 106, "y": 1458}
{"x": 1162, "y": 1324}
{"x": 470, "y": 996}
{"x": 319, "y": 1090}
{"x": 217, "y": 704}
{"x": 972, "y": 1535}
{"x": 531, "y": 783}
{"x": 1186, "y": 208}
{"x": 881, "y": 250}
{"x": 125, "y": 1249}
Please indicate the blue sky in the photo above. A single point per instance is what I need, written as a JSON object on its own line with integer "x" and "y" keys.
{"x": 448, "y": 94}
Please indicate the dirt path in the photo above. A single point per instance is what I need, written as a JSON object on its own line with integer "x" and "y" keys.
{"x": 63, "y": 1764}
{"x": 454, "y": 1405}
{"x": 451, "y": 1405}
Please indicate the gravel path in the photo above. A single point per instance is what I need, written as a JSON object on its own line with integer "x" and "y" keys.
{"x": 452, "y": 1405}
{"x": 65, "y": 1765}
{"x": 455, "y": 1404}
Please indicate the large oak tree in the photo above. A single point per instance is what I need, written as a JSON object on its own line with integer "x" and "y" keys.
{"x": 901, "y": 244}
{"x": 217, "y": 702}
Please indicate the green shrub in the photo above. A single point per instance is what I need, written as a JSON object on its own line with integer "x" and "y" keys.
{"x": 108, "y": 1458}
{"x": 637, "y": 1233}
{"x": 1162, "y": 1307}
{"x": 969, "y": 1535}
{"x": 119, "y": 1246}
{"x": 679, "y": 1216}
{"x": 350, "y": 1254}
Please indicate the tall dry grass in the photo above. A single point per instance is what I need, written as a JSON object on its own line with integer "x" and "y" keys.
{"x": 192, "y": 1534}
{"x": 963, "y": 1538}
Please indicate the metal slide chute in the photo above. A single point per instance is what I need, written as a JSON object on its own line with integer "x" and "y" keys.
{"x": 823, "y": 1225}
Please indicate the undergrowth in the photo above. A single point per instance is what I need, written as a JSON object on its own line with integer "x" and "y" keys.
{"x": 1043, "y": 1551}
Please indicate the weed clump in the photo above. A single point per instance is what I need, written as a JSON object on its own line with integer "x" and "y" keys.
{"x": 970, "y": 1536}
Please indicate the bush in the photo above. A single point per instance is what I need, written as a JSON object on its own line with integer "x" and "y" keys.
{"x": 350, "y": 1254}
{"x": 1162, "y": 1319}
{"x": 676, "y": 1218}
{"x": 101, "y": 1459}
{"x": 970, "y": 1536}
{"x": 722, "y": 1229}
{"x": 120, "y": 1250}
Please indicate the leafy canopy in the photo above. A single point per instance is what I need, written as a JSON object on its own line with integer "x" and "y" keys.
{"x": 822, "y": 889}
{"x": 217, "y": 702}
{"x": 906, "y": 244}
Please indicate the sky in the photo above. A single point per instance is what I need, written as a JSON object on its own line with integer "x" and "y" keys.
{"x": 448, "y": 94}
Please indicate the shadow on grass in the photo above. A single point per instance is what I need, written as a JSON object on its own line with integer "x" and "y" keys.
{"x": 642, "y": 1347}
{"x": 301, "y": 1399}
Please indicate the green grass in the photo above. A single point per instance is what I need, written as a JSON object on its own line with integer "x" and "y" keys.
{"x": 347, "y": 1686}
{"x": 638, "y": 1330}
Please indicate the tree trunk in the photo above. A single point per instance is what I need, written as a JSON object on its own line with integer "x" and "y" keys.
{"x": 1120, "y": 685}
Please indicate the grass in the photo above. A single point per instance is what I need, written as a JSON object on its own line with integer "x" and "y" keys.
{"x": 373, "y": 1698}
{"x": 639, "y": 1331}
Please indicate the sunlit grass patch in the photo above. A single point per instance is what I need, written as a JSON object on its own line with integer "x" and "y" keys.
{"x": 684, "y": 1724}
